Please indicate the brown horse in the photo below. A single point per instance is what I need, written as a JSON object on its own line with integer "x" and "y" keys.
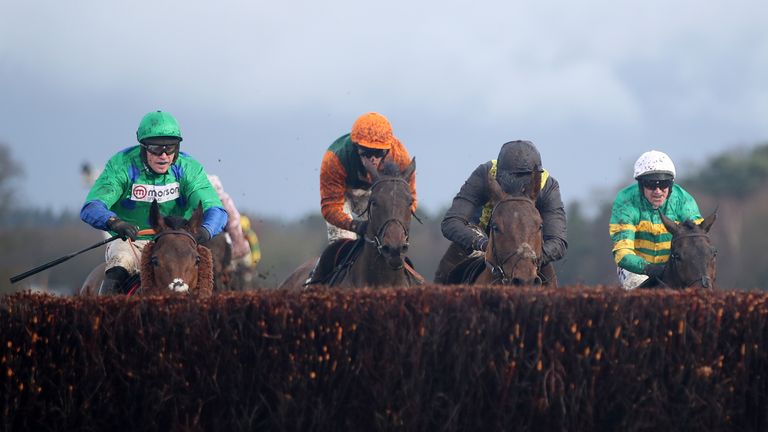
{"x": 514, "y": 241}
{"x": 381, "y": 260}
{"x": 171, "y": 262}
{"x": 692, "y": 256}
{"x": 221, "y": 251}
{"x": 514, "y": 237}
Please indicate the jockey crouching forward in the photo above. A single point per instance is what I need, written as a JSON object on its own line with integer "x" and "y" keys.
{"x": 465, "y": 223}
{"x": 120, "y": 199}
{"x": 345, "y": 183}
{"x": 641, "y": 243}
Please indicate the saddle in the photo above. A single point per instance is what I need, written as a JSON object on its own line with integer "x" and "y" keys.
{"x": 335, "y": 261}
{"x": 338, "y": 257}
{"x": 467, "y": 271}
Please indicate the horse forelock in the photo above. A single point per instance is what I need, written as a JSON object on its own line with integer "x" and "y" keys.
{"x": 389, "y": 168}
{"x": 691, "y": 225}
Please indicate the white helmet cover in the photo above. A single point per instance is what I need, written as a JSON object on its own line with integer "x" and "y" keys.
{"x": 654, "y": 162}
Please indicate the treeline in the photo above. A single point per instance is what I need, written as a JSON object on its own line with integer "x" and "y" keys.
{"x": 734, "y": 183}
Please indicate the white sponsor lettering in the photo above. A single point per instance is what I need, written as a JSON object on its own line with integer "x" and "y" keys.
{"x": 148, "y": 193}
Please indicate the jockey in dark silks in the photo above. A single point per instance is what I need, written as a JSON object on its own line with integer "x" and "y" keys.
{"x": 120, "y": 199}
{"x": 465, "y": 223}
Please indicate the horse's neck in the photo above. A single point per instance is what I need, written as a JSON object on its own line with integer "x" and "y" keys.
{"x": 371, "y": 269}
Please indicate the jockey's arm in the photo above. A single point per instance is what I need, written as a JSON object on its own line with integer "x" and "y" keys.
{"x": 466, "y": 207}
{"x": 95, "y": 213}
{"x": 555, "y": 226}
{"x": 622, "y": 228}
{"x": 106, "y": 191}
{"x": 199, "y": 190}
{"x": 332, "y": 189}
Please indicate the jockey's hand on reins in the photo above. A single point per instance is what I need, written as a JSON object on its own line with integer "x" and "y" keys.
{"x": 122, "y": 228}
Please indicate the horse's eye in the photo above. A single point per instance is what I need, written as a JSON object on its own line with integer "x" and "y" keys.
{"x": 197, "y": 260}
{"x": 495, "y": 228}
{"x": 153, "y": 260}
{"x": 675, "y": 256}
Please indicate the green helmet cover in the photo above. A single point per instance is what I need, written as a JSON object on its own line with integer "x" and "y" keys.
{"x": 158, "y": 124}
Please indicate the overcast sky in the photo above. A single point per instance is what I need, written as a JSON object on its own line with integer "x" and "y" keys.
{"x": 262, "y": 88}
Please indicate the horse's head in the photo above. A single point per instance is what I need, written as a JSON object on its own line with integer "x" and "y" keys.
{"x": 692, "y": 256}
{"x": 173, "y": 260}
{"x": 389, "y": 211}
{"x": 514, "y": 239}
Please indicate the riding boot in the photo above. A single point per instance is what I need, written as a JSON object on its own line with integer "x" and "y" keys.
{"x": 325, "y": 264}
{"x": 454, "y": 255}
{"x": 114, "y": 279}
{"x": 313, "y": 274}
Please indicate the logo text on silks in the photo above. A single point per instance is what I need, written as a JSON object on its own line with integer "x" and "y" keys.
{"x": 148, "y": 193}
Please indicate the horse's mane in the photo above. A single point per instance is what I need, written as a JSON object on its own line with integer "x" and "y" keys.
{"x": 512, "y": 184}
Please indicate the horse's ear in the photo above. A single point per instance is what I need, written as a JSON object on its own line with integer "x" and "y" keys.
{"x": 371, "y": 169}
{"x": 196, "y": 221}
{"x": 497, "y": 194}
{"x": 706, "y": 224}
{"x": 669, "y": 224}
{"x": 535, "y": 184}
{"x": 156, "y": 220}
{"x": 409, "y": 170}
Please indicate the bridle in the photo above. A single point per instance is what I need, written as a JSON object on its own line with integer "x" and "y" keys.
{"x": 705, "y": 280}
{"x": 497, "y": 269}
{"x": 376, "y": 240}
{"x": 174, "y": 232}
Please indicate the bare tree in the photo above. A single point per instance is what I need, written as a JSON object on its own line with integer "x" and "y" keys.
{"x": 9, "y": 169}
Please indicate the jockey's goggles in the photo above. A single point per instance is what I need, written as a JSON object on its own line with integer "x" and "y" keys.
{"x": 159, "y": 149}
{"x": 653, "y": 184}
{"x": 371, "y": 153}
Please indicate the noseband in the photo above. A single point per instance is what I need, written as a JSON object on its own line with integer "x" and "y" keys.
{"x": 497, "y": 269}
{"x": 376, "y": 240}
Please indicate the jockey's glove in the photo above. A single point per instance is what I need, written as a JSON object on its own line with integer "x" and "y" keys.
{"x": 359, "y": 226}
{"x": 202, "y": 235}
{"x": 654, "y": 270}
{"x": 544, "y": 260}
{"x": 122, "y": 228}
{"x": 480, "y": 243}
